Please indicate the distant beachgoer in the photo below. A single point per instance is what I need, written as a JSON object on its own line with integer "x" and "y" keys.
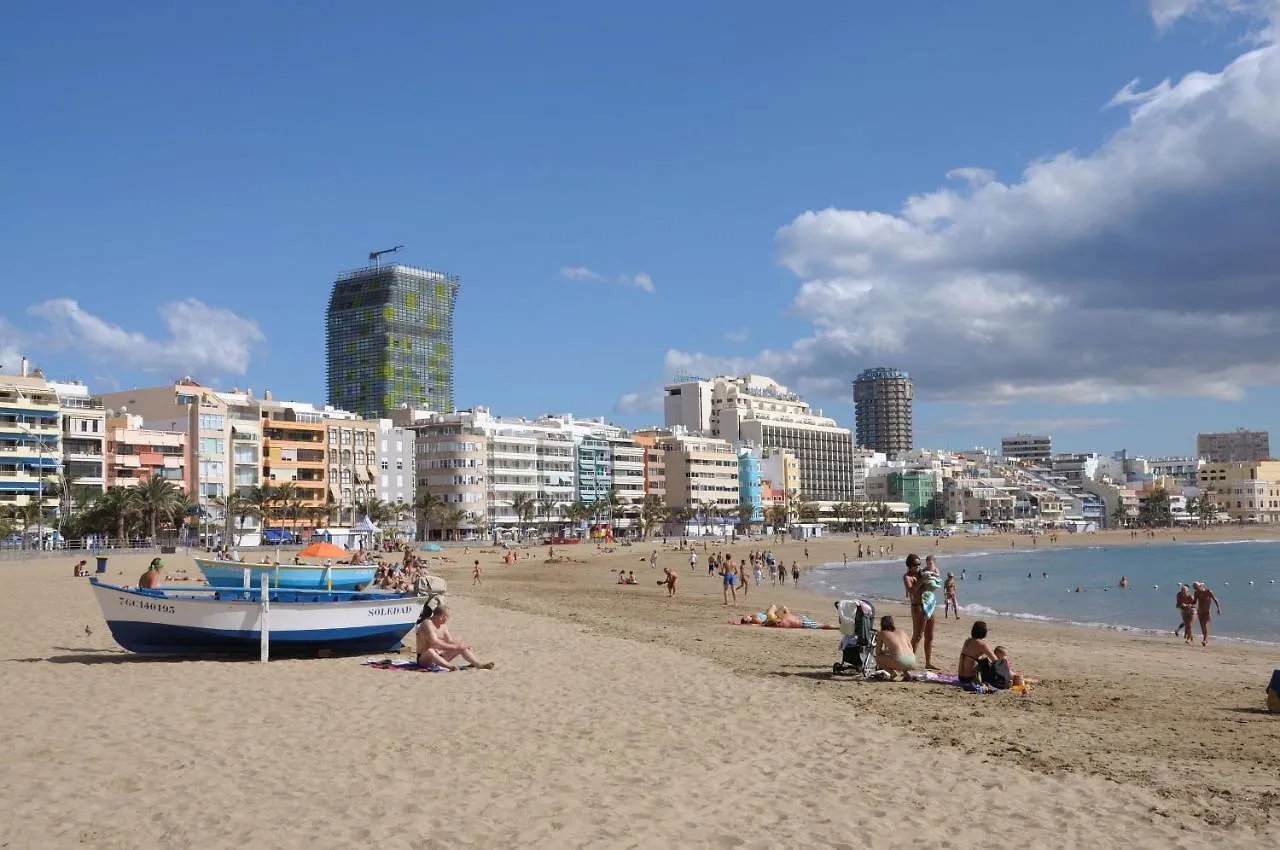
{"x": 475, "y": 574}
{"x": 795, "y": 574}
{"x": 151, "y": 578}
{"x": 436, "y": 646}
{"x": 893, "y": 650}
{"x": 759, "y": 574}
{"x": 693, "y": 560}
{"x": 81, "y": 569}
{"x": 670, "y": 580}
{"x": 742, "y": 577}
{"x": 1124, "y": 583}
{"x": 1204, "y": 598}
{"x": 1185, "y": 602}
{"x": 806, "y": 553}
{"x": 846, "y": 558}
{"x": 729, "y": 578}
{"x": 949, "y": 600}
{"x": 773, "y": 573}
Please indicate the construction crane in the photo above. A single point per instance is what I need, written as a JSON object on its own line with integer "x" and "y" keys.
{"x": 375, "y": 257}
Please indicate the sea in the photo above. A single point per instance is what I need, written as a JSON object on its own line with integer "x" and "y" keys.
{"x": 1041, "y": 584}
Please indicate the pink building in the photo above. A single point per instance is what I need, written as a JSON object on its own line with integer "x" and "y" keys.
{"x": 136, "y": 454}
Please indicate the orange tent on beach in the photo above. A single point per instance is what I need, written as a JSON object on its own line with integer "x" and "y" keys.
{"x": 323, "y": 550}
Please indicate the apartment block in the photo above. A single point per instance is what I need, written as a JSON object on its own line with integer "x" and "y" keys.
{"x": 83, "y": 441}
{"x": 1245, "y": 491}
{"x": 1028, "y": 448}
{"x": 136, "y": 454}
{"x": 699, "y": 471}
{"x": 988, "y": 501}
{"x": 30, "y": 441}
{"x": 882, "y": 401}
{"x": 757, "y": 410}
{"x": 1237, "y": 446}
{"x": 396, "y": 472}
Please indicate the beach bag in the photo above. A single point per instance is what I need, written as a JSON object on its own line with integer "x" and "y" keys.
{"x": 996, "y": 674}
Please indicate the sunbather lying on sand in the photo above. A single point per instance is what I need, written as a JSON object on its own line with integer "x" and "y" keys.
{"x": 781, "y": 618}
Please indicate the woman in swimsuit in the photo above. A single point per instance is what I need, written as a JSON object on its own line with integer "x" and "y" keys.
{"x": 975, "y": 654}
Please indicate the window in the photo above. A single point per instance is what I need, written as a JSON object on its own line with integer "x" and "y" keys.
{"x": 212, "y": 446}
{"x": 384, "y": 465}
{"x": 211, "y": 422}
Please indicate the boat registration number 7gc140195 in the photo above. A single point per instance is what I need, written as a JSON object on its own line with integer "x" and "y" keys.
{"x": 146, "y": 605}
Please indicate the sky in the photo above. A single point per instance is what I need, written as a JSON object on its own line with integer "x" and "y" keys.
{"x": 1059, "y": 218}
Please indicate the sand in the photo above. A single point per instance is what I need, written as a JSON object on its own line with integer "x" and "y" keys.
{"x": 619, "y": 718}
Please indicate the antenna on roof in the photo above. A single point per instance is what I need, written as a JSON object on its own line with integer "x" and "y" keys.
{"x": 375, "y": 257}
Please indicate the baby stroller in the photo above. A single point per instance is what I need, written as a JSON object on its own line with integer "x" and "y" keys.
{"x": 858, "y": 643}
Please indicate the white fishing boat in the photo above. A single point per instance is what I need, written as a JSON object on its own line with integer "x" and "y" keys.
{"x": 213, "y": 620}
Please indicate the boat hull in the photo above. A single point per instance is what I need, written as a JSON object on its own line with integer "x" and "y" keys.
{"x": 337, "y": 577}
{"x": 224, "y": 622}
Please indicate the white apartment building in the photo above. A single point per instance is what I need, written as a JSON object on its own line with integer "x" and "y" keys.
{"x": 701, "y": 472}
{"x": 84, "y": 430}
{"x": 758, "y": 410}
{"x": 396, "y": 466}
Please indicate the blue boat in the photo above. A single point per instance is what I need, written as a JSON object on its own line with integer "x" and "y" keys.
{"x": 305, "y": 576}
{"x": 190, "y": 621}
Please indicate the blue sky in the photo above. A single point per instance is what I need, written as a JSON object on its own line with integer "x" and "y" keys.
{"x": 628, "y": 193}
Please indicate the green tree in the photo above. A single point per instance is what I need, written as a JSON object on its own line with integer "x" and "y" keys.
{"x": 1120, "y": 515}
{"x": 262, "y": 497}
{"x": 653, "y": 513}
{"x": 522, "y": 505}
{"x": 239, "y": 508}
{"x": 1156, "y": 508}
{"x": 157, "y": 500}
{"x": 809, "y": 511}
{"x": 426, "y": 507}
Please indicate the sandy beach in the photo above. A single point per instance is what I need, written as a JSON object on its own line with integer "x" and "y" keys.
{"x": 620, "y": 718}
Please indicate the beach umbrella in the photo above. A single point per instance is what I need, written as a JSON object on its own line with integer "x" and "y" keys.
{"x": 323, "y": 550}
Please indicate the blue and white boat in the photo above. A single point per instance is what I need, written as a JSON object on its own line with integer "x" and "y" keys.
{"x": 197, "y": 621}
{"x": 309, "y": 576}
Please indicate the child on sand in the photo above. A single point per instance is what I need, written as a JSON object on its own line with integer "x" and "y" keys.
{"x": 475, "y": 574}
{"x": 1015, "y": 678}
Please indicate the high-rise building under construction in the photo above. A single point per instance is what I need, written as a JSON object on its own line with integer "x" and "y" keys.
{"x": 882, "y": 416}
{"x": 389, "y": 340}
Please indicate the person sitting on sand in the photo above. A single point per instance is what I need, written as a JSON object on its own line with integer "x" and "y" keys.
{"x": 437, "y": 647}
{"x": 1015, "y": 678}
{"x": 893, "y": 650}
{"x": 81, "y": 569}
{"x": 151, "y": 578}
{"x": 631, "y": 577}
{"x": 976, "y": 656}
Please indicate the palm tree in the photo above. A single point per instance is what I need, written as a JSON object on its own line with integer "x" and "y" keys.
{"x": 426, "y": 505}
{"x": 289, "y": 498}
{"x": 808, "y": 511}
{"x": 238, "y": 507}
{"x": 522, "y": 505}
{"x": 453, "y": 519}
{"x": 400, "y": 512}
{"x": 1120, "y": 515}
{"x": 546, "y": 509}
{"x": 843, "y": 511}
{"x": 652, "y": 513}
{"x": 157, "y": 498}
{"x": 262, "y": 496}
{"x": 746, "y": 513}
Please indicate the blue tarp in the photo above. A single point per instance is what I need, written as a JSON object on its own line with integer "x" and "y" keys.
{"x": 431, "y": 547}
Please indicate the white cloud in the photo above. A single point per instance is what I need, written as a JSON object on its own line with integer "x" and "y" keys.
{"x": 202, "y": 340}
{"x": 640, "y": 280}
{"x": 1148, "y": 267}
{"x": 740, "y": 335}
{"x": 12, "y": 347}
{"x": 1165, "y": 13}
{"x": 649, "y": 401}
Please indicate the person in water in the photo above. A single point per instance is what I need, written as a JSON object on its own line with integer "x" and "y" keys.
{"x": 893, "y": 650}
{"x": 436, "y": 646}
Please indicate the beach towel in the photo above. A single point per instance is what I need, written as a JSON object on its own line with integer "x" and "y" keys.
{"x": 402, "y": 664}
{"x": 929, "y": 596}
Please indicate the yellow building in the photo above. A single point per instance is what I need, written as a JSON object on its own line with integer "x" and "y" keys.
{"x": 1248, "y": 491}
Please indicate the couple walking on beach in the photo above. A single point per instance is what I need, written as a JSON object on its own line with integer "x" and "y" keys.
{"x": 1193, "y": 601}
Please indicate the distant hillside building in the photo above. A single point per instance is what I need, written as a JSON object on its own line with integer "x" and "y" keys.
{"x": 1034, "y": 448}
{"x": 1239, "y": 446}
{"x": 389, "y": 340}
{"x": 882, "y": 399}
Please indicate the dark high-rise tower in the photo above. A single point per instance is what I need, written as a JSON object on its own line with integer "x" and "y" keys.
{"x": 882, "y": 401}
{"x": 389, "y": 340}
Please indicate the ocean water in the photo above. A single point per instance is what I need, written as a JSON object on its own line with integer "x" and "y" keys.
{"x": 1244, "y": 575}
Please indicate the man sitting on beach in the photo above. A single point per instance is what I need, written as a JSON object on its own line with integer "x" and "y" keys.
{"x": 436, "y": 646}
{"x": 893, "y": 650}
{"x": 151, "y": 578}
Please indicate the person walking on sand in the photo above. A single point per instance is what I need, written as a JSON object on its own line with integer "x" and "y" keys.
{"x": 742, "y": 577}
{"x": 1204, "y": 598}
{"x": 729, "y": 578}
{"x": 475, "y": 575}
{"x": 1185, "y": 602}
{"x": 669, "y": 581}
{"x": 693, "y": 560}
{"x": 795, "y": 574}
